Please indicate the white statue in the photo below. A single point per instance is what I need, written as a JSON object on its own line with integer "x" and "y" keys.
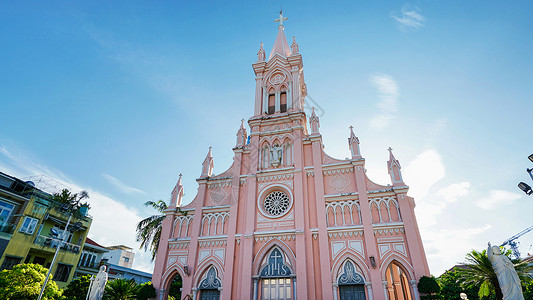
{"x": 506, "y": 273}
{"x": 276, "y": 153}
{"x": 96, "y": 290}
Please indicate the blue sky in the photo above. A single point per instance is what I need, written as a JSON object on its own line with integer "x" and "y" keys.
{"x": 120, "y": 97}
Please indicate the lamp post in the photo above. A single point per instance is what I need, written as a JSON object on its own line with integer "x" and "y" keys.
{"x": 524, "y": 186}
{"x": 64, "y": 208}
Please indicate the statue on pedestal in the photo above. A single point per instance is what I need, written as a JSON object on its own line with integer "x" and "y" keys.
{"x": 506, "y": 274}
{"x": 276, "y": 153}
{"x": 96, "y": 290}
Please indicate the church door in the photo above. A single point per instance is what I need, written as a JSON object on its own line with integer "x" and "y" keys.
{"x": 352, "y": 292}
{"x": 276, "y": 289}
{"x": 209, "y": 294}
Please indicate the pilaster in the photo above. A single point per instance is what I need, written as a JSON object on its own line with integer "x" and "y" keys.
{"x": 323, "y": 240}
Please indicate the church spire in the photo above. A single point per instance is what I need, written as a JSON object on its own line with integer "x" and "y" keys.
{"x": 394, "y": 169}
{"x": 177, "y": 194}
{"x": 281, "y": 46}
{"x": 207, "y": 165}
{"x": 353, "y": 142}
{"x": 314, "y": 122}
{"x": 241, "y": 135}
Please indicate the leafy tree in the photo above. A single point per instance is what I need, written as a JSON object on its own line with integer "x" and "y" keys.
{"x": 528, "y": 290}
{"x": 78, "y": 288}
{"x": 428, "y": 285}
{"x": 25, "y": 281}
{"x": 146, "y": 291}
{"x": 479, "y": 272}
{"x": 451, "y": 285}
{"x": 149, "y": 229}
{"x": 121, "y": 289}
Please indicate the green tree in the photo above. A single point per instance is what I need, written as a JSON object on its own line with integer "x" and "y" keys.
{"x": 428, "y": 285}
{"x": 78, "y": 288}
{"x": 479, "y": 272}
{"x": 149, "y": 229}
{"x": 121, "y": 289}
{"x": 72, "y": 201}
{"x": 451, "y": 285}
{"x": 25, "y": 281}
{"x": 146, "y": 291}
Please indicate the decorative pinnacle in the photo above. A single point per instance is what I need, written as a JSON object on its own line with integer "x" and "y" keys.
{"x": 351, "y": 127}
{"x": 281, "y": 18}
{"x": 390, "y": 150}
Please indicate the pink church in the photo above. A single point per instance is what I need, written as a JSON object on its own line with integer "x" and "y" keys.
{"x": 286, "y": 220}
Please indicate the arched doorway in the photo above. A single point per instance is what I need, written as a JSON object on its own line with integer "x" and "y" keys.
{"x": 174, "y": 287}
{"x": 351, "y": 283}
{"x": 276, "y": 277}
{"x": 209, "y": 285}
{"x": 397, "y": 282}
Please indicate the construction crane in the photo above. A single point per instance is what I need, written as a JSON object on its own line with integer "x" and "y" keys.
{"x": 514, "y": 244}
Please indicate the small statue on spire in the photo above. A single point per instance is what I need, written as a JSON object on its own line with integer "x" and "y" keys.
{"x": 294, "y": 46}
{"x": 281, "y": 18}
{"x": 261, "y": 54}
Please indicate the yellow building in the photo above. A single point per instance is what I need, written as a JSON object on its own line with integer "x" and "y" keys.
{"x": 33, "y": 224}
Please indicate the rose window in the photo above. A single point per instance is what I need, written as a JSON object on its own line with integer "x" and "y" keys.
{"x": 276, "y": 203}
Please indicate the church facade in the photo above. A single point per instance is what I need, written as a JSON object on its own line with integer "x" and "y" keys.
{"x": 286, "y": 220}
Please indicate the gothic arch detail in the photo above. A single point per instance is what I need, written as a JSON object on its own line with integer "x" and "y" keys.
{"x": 349, "y": 274}
{"x": 384, "y": 210}
{"x": 210, "y": 280}
{"x": 340, "y": 213}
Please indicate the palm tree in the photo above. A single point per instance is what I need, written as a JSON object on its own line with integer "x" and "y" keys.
{"x": 121, "y": 289}
{"x": 149, "y": 229}
{"x": 479, "y": 273}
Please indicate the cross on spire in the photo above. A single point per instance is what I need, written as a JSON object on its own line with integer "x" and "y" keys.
{"x": 281, "y": 18}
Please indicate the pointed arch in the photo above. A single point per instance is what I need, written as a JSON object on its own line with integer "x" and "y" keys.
{"x": 404, "y": 264}
{"x": 267, "y": 248}
{"x": 397, "y": 278}
{"x": 348, "y": 254}
{"x": 204, "y": 267}
{"x": 168, "y": 276}
{"x": 349, "y": 273}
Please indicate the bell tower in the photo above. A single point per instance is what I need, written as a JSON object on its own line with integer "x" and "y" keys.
{"x": 280, "y": 85}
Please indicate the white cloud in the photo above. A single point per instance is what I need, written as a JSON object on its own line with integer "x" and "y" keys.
{"x": 121, "y": 185}
{"x": 497, "y": 198}
{"x": 453, "y": 192}
{"x": 388, "y": 94}
{"x": 408, "y": 18}
{"x": 447, "y": 247}
{"x": 423, "y": 172}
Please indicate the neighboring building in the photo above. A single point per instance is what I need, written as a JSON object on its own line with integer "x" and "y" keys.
{"x": 95, "y": 255}
{"x": 90, "y": 259}
{"x": 286, "y": 220}
{"x": 12, "y": 205}
{"x": 120, "y": 255}
{"x": 34, "y": 219}
{"x": 120, "y": 272}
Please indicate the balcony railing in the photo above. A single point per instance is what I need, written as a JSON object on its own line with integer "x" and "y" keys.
{"x": 46, "y": 241}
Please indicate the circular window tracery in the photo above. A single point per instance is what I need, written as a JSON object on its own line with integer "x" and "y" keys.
{"x": 276, "y": 203}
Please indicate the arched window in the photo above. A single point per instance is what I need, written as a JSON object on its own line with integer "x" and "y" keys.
{"x": 351, "y": 283}
{"x": 209, "y": 285}
{"x": 271, "y": 103}
{"x": 283, "y": 101}
{"x": 397, "y": 282}
{"x": 276, "y": 277}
